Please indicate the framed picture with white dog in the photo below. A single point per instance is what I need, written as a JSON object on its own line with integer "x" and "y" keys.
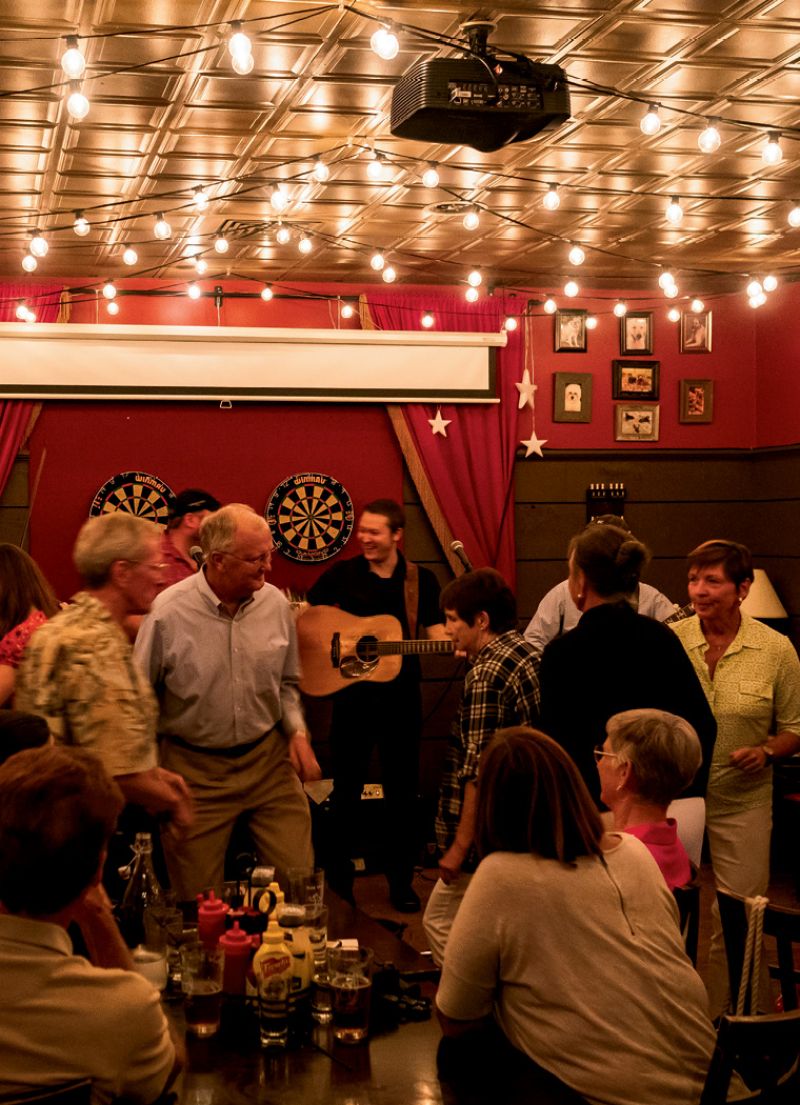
{"x": 636, "y": 333}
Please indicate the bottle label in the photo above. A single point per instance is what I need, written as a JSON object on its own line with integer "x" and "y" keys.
{"x": 274, "y": 965}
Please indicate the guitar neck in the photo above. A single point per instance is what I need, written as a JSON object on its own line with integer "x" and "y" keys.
{"x": 679, "y": 615}
{"x": 413, "y": 648}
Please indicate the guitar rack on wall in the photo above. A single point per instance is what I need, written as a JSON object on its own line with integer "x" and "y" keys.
{"x": 602, "y": 498}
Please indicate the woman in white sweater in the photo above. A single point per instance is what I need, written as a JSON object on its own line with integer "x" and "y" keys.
{"x": 568, "y": 940}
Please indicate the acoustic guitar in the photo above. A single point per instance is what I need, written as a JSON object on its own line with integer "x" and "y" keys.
{"x": 339, "y": 649}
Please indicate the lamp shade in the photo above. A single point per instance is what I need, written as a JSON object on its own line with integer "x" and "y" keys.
{"x": 762, "y": 601}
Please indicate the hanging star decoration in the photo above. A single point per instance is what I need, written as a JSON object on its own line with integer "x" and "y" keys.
{"x": 534, "y": 445}
{"x": 438, "y": 424}
{"x": 526, "y": 388}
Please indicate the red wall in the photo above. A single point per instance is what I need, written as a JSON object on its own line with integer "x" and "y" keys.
{"x": 778, "y": 368}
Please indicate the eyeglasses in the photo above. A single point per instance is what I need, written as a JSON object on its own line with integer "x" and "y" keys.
{"x": 253, "y": 561}
{"x": 599, "y": 753}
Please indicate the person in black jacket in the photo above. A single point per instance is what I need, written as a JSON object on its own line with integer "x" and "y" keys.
{"x": 615, "y": 659}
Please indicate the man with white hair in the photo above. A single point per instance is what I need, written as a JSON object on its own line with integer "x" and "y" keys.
{"x": 221, "y": 651}
{"x": 78, "y": 670}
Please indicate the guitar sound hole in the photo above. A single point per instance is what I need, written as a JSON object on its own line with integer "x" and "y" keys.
{"x": 367, "y": 649}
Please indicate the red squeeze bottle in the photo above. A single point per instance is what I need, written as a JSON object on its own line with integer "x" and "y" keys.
{"x": 210, "y": 918}
{"x": 238, "y": 948}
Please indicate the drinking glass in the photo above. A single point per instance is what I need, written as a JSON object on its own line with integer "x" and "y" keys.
{"x": 306, "y": 886}
{"x": 350, "y": 975}
{"x": 316, "y": 922}
{"x": 201, "y": 980}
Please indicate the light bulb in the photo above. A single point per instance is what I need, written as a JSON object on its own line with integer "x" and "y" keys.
{"x": 551, "y": 199}
{"x": 385, "y": 43}
{"x": 389, "y": 275}
{"x": 29, "y": 263}
{"x": 697, "y": 306}
{"x": 112, "y": 307}
{"x": 283, "y": 235}
{"x": 239, "y": 44}
{"x": 769, "y": 283}
{"x": 193, "y": 291}
{"x": 709, "y": 140}
{"x": 427, "y": 320}
{"x": 756, "y": 301}
{"x": 475, "y": 279}
{"x": 430, "y": 178}
{"x": 162, "y": 229}
{"x": 471, "y": 220}
{"x": 377, "y": 262}
{"x": 673, "y": 314}
{"x": 347, "y": 310}
{"x": 771, "y": 152}
{"x": 754, "y": 288}
{"x": 620, "y": 309}
{"x": 472, "y": 295}
{"x": 81, "y": 225}
{"x": 794, "y": 215}
{"x": 571, "y": 289}
{"x": 375, "y": 168}
{"x": 200, "y": 197}
{"x": 72, "y": 60}
{"x": 550, "y": 306}
{"x": 109, "y": 291}
{"x": 279, "y": 199}
{"x": 674, "y": 211}
{"x": 650, "y": 123}
{"x": 130, "y": 256}
{"x": 510, "y": 323}
{"x": 665, "y": 279}
{"x": 321, "y": 171}
{"x": 576, "y": 256}
{"x": 29, "y": 315}
{"x": 200, "y": 266}
{"x": 38, "y": 245}
{"x": 243, "y": 64}
{"x": 78, "y": 105}
{"x": 266, "y": 293}
{"x": 305, "y": 245}
{"x": 671, "y": 291}
{"x": 21, "y": 311}
{"x": 221, "y": 244}
{"x": 591, "y": 322}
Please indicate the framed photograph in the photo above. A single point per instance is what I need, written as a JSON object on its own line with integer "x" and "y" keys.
{"x": 570, "y": 331}
{"x": 695, "y": 332}
{"x": 572, "y": 397}
{"x": 636, "y": 422}
{"x": 697, "y": 401}
{"x": 634, "y": 379}
{"x": 636, "y": 333}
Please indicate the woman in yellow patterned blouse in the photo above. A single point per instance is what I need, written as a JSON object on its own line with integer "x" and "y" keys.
{"x": 751, "y": 677}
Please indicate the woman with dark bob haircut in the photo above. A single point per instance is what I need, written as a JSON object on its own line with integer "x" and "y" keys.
{"x": 26, "y": 602}
{"x": 567, "y": 939}
{"x": 615, "y": 659}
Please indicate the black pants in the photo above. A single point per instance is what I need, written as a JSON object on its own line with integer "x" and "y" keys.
{"x": 388, "y": 717}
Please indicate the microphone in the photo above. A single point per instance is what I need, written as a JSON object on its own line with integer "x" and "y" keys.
{"x": 196, "y": 553}
{"x": 457, "y": 548}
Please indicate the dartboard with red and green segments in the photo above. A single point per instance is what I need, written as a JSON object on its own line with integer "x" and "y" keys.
{"x": 311, "y": 517}
{"x": 136, "y": 493}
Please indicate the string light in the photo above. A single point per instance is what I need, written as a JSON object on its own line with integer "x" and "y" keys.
{"x": 771, "y": 152}
{"x": 77, "y": 103}
{"x": 650, "y": 123}
{"x": 620, "y": 308}
{"x": 674, "y": 211}
{"x": 72, "y": 60}
{"x": 243, "y": 64}
{"x": 666, "y": 279}
{"x": 200, "y": 266}
{"x": 266, "y": 293}
{"x": 376, "y": 168}
{"x": 81, "y": 225}
{"x": 794, "y": 216}
{"x": 673, "y": 314}
{"x": 757, "y": 300}
{"x": 29, "y": 263}
{"x": 754, "y": 288}
{"x": 305, "y": 245}
{"x": 696, "y": 306}
{"x": 221, "y": 244}
{"x": 571, "y": 289}
{"x": 576, "y": 256}
{"x": 239, "y": 44}
{"x": 200, "y": 198}
{"x": 130, "y": 256}
{"x": 472, "y": 295}
{"x": 475, "y": 278}
{"x": 770, "y": 283}
{"x": 161, "y": 228}
{"x": 385, "y": 43}
{"x": 427, "y": 320}
{"x": 671, "y": 291}
{"x": 591, "y": 322}
{"x": 389, "y": 275}
{"x": 551, "y": 199}
{"x": 321, "y": 172}
{"x": 377, "y": 261}
{"x": 510, "y": 323}
{"x": 709, "y": 139}
{"x": 472, "y": 219}
{"x": 29, "y": 315}
{"x": 193, "y": 290}
{"x": 550, "y": 306}
{"x": 109, "y": 291}
{"x": 430, "y": 178}
{"x": 279, "y": 198}
{"x": 38, "y": 245}
{"x": 283, "y": 234}
{"x": 347, "y": 310}
{"x": 21, "y": 311}
{"x": 112, "y": 307}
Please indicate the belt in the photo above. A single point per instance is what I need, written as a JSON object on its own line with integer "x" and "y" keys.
{"x": 231, "y": 752}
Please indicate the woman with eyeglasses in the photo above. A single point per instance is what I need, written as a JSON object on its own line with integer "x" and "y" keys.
{"x": 751, "y": 677}
{"x": 567, "y": 942}
{"x": 615, "y": 659}
{"x": 648, "y": 758}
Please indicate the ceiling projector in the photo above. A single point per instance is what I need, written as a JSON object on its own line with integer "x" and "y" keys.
{"x": 483, "y": 100}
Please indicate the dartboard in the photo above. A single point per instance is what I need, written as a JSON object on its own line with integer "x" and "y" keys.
{"x": 135, "y": 492}
{"x": 311, "y": 517}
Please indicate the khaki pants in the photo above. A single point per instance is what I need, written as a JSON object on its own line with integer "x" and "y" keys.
{"x": 440, "y": 913}
{"x": 263, "y": 785}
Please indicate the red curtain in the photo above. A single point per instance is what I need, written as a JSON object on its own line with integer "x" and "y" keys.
{"x": 471, "y": 471}
{"x": 16, "y": 414}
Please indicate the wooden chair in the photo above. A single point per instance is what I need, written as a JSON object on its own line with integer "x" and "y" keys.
{"x": 69, "y": 1093}
{"x": 780, "y": 923}
{"x": 762, "y": 1050}
{"x": 687, "y": 899}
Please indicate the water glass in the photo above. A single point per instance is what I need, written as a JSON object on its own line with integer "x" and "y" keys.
{"x": 321, "y": 998}
{"x": 306, "y": 886}
{"x": 151, "y": 963}
{"x": 201, "y": 980}
{"x": 350, "y": 974}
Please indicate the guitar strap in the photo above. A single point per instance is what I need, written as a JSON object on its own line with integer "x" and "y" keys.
{"x": 411, "y": 595}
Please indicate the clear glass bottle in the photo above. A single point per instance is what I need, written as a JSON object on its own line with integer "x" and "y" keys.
{"x": 142, "y": 892}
